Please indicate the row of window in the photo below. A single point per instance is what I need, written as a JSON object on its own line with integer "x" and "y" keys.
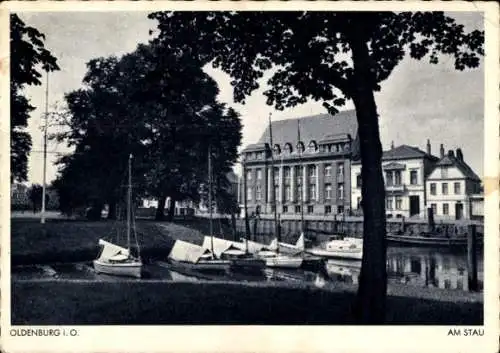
{"x": 311, "y": 148}
{"x": 299, "y": 192}
{"x": 389, "y": 203}
{"x": 310, "y": 209}
{"x": 445, "y": 208}
{"x": 393, "y": 178}
{"x": 444, "y": 188}
{"x": 311, "y": 172}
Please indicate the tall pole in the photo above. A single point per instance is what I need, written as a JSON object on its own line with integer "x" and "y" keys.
{"x": 210, "y": 198}
{"x": 45, "y": 146}
{"x": 273, "y": 188}
{"x": 129, "y": 199}
{"x": 302, "y": 176}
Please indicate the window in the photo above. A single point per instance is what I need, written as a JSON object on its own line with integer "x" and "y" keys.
{"x": 399, "y": 203}
{"x": 444, "y": 172}
{"x": 286, "y": 172}
{"x": 328, "y": 191}
{"x": 300, "y": 147}
{"x": 299, "y": 193}
{"x": 397, "y": 177}
{"x": 285, "y": 209}
{"x": 340, "y": 171}
{"x": 434, "y": 208}
{"x": 276, "y": 176}
{"x": 259, "y": 155}
{"x": 288, "y": 193}
{"x": 340, "y": 209}
{"x": 310, "y": 209}
{"x": 340, "y": 191}
{"x": 445, "y": 208}
{"x": 297, "y": 209}
{"x": 328, "y": 209}
{"x": 388, "y": 178}
{"x": 312, "y": 191}
{"x": 433, "y": 188}
{"x": 288, "y": 148}
{"x": 328, "y": 170}
{"x": 259, "y": 174}
{"x": 312, "y": 171}
{"x": 249, "y": 193}
{"x": 258, "y": 193}
{"x": 388, "y": 204}
{"x": 444, "y": 188}
{"x": 249, "y": 175}
{"x": 358, "y": 203}
{"x": 299, "y": 173}
{"x": 456, "y": 187}
{"x": 413, "y": 177}
{"x": 276, "y": 192}
{"x": 358, "y": 181}
{"x": 277, "y": 149}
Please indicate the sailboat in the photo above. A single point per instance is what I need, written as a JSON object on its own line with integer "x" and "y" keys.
{"x": 272, "y": 255}
{"x": 117, "y": 260}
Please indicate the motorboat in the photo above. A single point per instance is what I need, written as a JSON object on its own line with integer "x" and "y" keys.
{"x": 339, "y": 248}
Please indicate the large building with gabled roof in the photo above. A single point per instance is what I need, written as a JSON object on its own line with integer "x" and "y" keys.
{"x": 405, "y": 169}
{"x": 452, "y": 187}
{"x": 311, "y": 157}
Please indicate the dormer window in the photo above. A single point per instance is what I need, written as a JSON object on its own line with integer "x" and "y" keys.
{"x": 300, "y": 147}
{"x": 277, "y": 149}
{"x": 312, "y": 147}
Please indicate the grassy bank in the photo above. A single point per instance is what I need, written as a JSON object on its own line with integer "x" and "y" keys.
{"x": 77, "y": 240}
{"x": 213, "y": 303}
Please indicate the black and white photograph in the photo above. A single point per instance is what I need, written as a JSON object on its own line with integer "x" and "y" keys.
{"x": 236, "y": 166}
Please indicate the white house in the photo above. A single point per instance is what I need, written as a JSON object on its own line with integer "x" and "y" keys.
{"x": 405, "y": 169}
{"x": 452, "y": 187}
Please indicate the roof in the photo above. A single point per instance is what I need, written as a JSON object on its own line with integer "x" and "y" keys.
{"x": 315, "y": 127}
{"x": 452, "y": 160}
{"x": 403, "y": 152}
{"x": 406, "y": 152}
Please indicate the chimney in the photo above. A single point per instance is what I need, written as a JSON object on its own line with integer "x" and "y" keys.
{"x": 441, "y": 151}
{"x": 392, "y": 145}
{"x": 459, "y": 154}
{"x": 451, "y": 153}
{"x": 428, "y": 146}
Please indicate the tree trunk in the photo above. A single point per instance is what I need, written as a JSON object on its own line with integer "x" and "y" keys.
{"x": 371, "y": 298}
{"x": 160, "y": 215}
{"x": 112, "y": 210}
{"x": 171, "y": 210}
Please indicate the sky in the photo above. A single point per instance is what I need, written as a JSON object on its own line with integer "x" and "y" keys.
{"x": 419, "y": 101}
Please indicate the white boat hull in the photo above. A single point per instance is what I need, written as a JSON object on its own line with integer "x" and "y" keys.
{"x": 342, "y": 254}
{"x": 284, "y": 262}
{"x": 126, "y": 269}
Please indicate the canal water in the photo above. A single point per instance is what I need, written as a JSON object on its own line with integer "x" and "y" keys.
{"x": 417, "y": 267}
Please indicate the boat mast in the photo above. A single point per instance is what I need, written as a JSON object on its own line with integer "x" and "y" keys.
{"x": 302, "y": 176}
{"x": 276, "y": 229}
{"x": 44, "y": 188}
{"x": 129, "y": 199}
{"x": 210, "y": 198}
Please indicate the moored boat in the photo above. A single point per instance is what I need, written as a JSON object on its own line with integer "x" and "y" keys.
{"x": 195, "y": 257}
{"x": 336, "y": 248}
{"x": 430, "y": 239}
{"x": 114, "y": 259}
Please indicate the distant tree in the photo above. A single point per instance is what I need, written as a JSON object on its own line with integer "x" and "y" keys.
{"x": 328, "y": 57}
{"x": 35, "y": 196}
{"x": 27, "y": 57}
{"x": 153, "y": 106}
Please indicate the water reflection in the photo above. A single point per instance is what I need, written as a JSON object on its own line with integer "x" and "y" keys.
{"x": 414, "y": 266}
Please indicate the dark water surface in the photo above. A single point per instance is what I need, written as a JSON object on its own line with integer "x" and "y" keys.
{"x": 417, "y": 267}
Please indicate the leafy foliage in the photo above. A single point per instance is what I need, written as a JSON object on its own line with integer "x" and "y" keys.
{"x": 160, "y": 107}
{"x": 328, "y": 57}
{"x": 27, "y": 56}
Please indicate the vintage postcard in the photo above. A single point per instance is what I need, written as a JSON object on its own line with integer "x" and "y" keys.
{"x": 249, "y": 176}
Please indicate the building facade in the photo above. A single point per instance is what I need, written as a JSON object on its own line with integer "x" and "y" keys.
{"x": 405, "y": 169}
{"x": 453, "y": 188}
{"x": 306, "y": 169}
